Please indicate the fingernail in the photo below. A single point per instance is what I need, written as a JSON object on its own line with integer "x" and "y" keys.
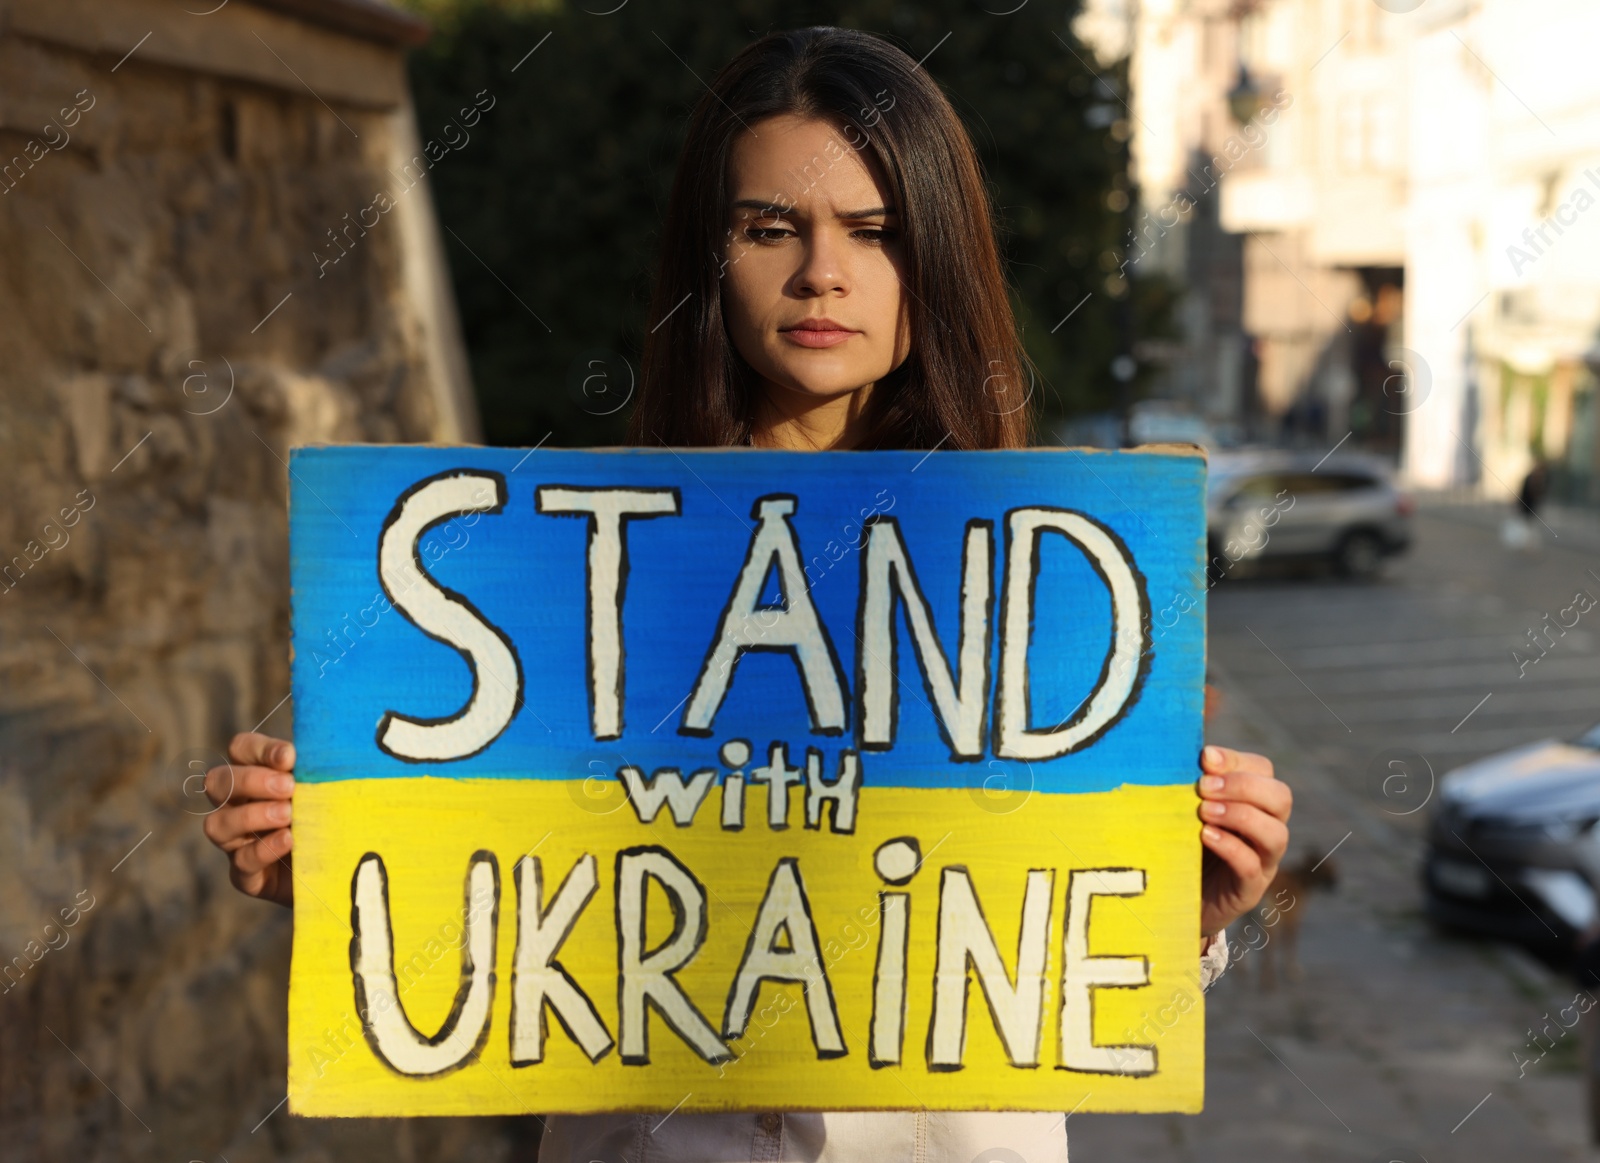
{"x": 284, "y": 784}
{"x": 1212, "y": 783}
{"x": 1212, "y": 756}
{"x": 287, "y": 839}
{"x": 280, "y": 755}
{"x": 1210, "y": 833}
{"x": 1214, "y": 810}
{"x": 279, "y": 813}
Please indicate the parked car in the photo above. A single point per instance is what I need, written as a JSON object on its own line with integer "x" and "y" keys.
{"x": 1147, "y": 422}
{"x": 1159, "y": 422}
{"x": 1286, "y": 505}
{"x": 1513, "y": 851}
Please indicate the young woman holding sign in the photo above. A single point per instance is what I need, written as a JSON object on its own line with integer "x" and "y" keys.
{"x": 829, "y": 280}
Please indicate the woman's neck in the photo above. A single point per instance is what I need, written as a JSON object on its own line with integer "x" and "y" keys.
{"x": 800, "y": 422}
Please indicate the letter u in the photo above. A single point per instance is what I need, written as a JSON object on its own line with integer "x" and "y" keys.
{"x": 390, "y": 1033}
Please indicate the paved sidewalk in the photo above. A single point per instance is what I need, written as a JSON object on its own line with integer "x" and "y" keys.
{"x": 1396, "y": 1045}
{"x": 1567, "y": 526}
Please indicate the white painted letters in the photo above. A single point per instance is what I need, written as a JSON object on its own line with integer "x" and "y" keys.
{"x": 793, "y": 628}
{"x": 537, "y": 979}
{"x": 960, "y": 702}
{"x": 608, "y": 511}
{"x": 965, "y": 937}
{"x": 450, "y": 618}
{"x": 785, "y": 912}
{"x": 1125, "y": 661}
{"x": 1081, "y": 974}
{"x": 392, "y": 1036}
{"x": 647, "y": 976}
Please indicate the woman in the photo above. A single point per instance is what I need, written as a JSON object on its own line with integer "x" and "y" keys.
{"x": 829, "y": 280}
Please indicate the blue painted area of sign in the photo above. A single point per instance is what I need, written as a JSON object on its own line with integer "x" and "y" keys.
{"x": 552, "y": 551}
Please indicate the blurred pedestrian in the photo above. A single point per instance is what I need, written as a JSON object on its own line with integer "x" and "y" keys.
{"x": 1532, "y": 493}
{"x": 1518, "y": 531}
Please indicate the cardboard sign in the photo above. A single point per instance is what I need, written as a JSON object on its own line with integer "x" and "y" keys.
{"x": 779, "y": 781}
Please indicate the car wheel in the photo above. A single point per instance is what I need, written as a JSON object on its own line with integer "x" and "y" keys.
{"x": 1359, "y": 555}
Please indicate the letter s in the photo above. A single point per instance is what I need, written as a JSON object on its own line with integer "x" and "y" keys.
{"x": 450, "y": 618}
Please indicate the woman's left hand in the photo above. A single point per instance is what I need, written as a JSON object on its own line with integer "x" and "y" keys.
{"x": 1245, "y": 808}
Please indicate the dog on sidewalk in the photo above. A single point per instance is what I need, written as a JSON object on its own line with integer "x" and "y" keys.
{"x": 1281, "y": 911}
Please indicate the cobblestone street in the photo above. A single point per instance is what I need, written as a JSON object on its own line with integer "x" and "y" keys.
{"x": 1397, "y": 1043}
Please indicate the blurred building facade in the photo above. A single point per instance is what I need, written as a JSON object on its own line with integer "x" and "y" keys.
{"x": 1321, "y": 208}
{"x": 1395, "y": 195}
{"x": 1181, "y": 68}
{"x": 1506, "y": 179}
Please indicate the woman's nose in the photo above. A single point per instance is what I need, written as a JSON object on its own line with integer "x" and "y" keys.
{"x": 822, "y": 268}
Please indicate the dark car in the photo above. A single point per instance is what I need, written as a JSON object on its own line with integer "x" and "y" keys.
{"x": 1513, "y": 850}
{"x": 1344, "y": 510}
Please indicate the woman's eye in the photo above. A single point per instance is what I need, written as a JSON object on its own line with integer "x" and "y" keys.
{"x": 876, "y": 237}
{"x": 766, "y": 233}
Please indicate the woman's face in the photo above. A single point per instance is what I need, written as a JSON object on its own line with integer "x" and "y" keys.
{"x": 813, "y": 235}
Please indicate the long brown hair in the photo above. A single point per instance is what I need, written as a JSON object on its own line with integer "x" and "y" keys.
{"x": 967, "y": 382}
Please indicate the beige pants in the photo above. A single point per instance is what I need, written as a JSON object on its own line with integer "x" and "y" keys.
{"x": 808, "y": 1137}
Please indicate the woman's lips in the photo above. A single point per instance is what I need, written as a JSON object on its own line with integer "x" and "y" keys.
{"x": 806, "y": 337}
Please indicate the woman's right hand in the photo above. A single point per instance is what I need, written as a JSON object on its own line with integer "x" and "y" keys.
{"x": 253, "y": 794}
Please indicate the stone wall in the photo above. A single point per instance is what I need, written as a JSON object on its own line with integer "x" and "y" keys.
{"x": 167, "y": 331}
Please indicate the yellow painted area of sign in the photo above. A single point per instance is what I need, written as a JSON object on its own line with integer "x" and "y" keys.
{"x": 427, "y": 831}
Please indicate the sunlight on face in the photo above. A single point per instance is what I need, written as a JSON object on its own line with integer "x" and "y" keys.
{"x": 813, "y": 235}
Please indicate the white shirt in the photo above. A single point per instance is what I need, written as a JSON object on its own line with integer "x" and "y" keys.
{"x": 912, "y": 1136}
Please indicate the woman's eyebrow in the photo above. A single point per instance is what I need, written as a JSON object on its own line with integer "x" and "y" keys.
{"x": 780, "y": 208}
{"x": 766, "y": 207}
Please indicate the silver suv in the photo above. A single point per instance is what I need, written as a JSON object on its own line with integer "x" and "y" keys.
{"x": 1285, "y": 505}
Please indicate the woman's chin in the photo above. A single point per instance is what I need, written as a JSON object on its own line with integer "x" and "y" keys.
{"x": 812, "y": 389}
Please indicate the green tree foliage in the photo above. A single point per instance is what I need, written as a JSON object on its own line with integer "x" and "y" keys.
{"x": 552, "y": 209}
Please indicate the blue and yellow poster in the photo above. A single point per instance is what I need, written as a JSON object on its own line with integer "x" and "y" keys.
{"x": 718, "y": 780}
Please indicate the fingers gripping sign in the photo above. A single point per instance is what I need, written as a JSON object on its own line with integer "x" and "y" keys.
{"x": 1245, "y": 809}
{"x": 252, "y": 797}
